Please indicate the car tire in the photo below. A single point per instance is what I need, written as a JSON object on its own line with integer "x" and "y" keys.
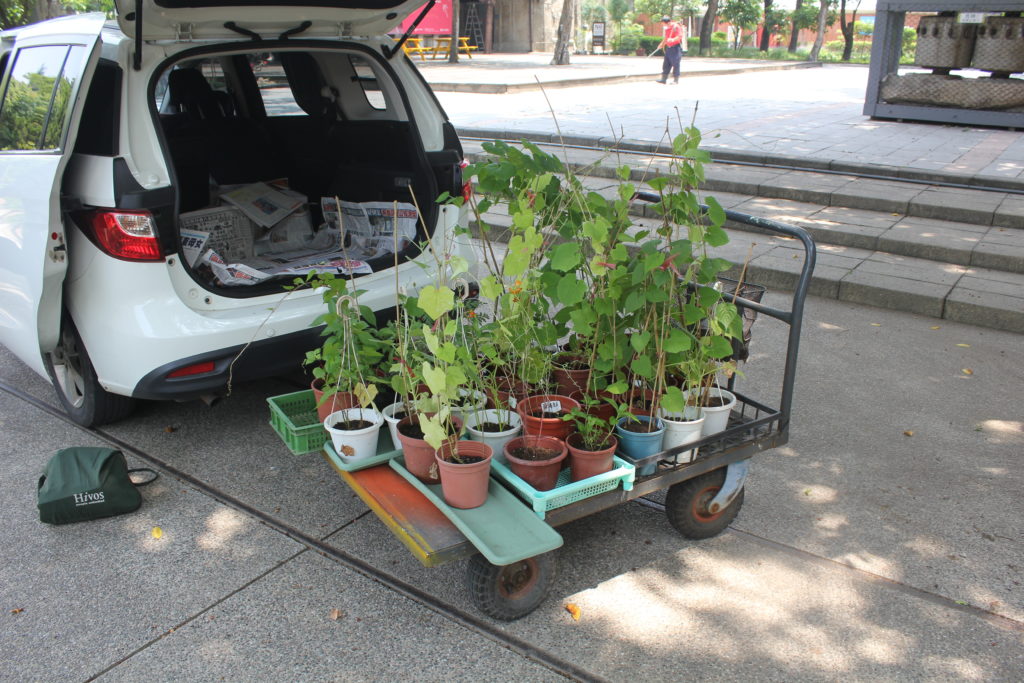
{"x": 78, "y": 389}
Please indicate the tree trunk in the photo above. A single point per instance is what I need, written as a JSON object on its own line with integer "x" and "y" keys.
{"x": 820, "y": 37}
{"x": 707, "y": 27}
{"x": 453, "y": 49}
{"x": 795, "y": 34}
{"x": 561, "y": 56}
{"x": 766, "y": 30}
{"x": 848, "y": 30}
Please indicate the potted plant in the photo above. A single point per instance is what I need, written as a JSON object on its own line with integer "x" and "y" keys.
{"x": 345, "y": 364}
{"x": 536, "y": 459}
{"x": 592, "y": 446}
{"x": 465, "y": 468}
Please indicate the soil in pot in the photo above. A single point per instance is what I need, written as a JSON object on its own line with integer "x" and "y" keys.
{"x": 491, "y": 427}
{"x": 352, "y": 424}
{"x": 534, "y": 453}
{"x": 410, "y": 429}
{"x": 644, "y": 427}
{"x": 536, "y": 460}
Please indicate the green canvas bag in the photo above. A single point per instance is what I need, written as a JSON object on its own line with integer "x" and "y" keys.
{"x": 86, "y": 482}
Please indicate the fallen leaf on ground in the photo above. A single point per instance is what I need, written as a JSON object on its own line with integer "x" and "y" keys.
{"x": 964, "y": 346}
{"x": 876, "y": 324}
{"x": 908, "y": 433}
{"x": 936, "y": 327}
{"x": 157, "y": 532}
{"x": 574, "y": 610}
{"x": 17, "y": 610}
{"x": 967, "y": 371}
{"x": 335, "y": 614}
{"x": 169, "y": 429}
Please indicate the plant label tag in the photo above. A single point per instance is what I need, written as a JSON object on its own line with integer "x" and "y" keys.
{"x": 551, "y": 406}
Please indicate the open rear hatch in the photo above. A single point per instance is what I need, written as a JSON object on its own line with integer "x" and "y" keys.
{"x": 270, "y": 19}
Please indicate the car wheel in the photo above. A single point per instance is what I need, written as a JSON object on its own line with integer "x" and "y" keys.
{"x": 77, "y": 386}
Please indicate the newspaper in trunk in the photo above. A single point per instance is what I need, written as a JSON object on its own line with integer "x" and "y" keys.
{"x": 263, "y": 204}
{"x": 223, "y": 228}
{"x": 372, "y": 226}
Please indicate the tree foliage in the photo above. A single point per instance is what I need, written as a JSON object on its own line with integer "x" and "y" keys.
{"x": 21, "y": 12}
{"x": 742, "y": 14}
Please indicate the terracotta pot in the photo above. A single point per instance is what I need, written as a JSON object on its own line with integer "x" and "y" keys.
{"x": 640, "y": 401}
{"x": 584, "y": 463}
{"x": 570, "y": 382}
{"x": 343, "y": 400}
{"x": 540, "y": 474}
{"x": 546, "y": 426}
{"x": 419, "y": 455}
{"x": 464, "y": 485}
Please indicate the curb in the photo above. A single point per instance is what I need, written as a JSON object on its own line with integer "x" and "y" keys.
{"x": 877, "y": 171}
{"x": 505, "y": 88}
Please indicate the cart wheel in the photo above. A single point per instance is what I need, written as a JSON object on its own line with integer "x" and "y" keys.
{"x": 686, "y": 506}
{"x": 513, "y": 591}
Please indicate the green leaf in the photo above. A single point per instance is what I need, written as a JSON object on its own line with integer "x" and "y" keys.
{"x": 571, "y": 290}
{"x": 597, "y": 231}
{"x": 639, "y": 341}
{"x": 617, "y": 388}
{"x": 490, "y": 288}
{"x": 656, "y": 296}
{"x": 715, "y": 211}
{"x": 623, "y": 172}
{"x": 635, "y": 300}
{"x": 433, "y": 430}
{"x": 673, "y": 401}
{"x": 436, "y": 301}
{"x": 434, "y": 378}
{"x": 523, "y": 219}
{"x": 677, "y": 341}
{"x": 642, "y": 367}
{"x": 716, "y": 236}
{"x": 717, "y": 346}
{"x": 566, "y": 257}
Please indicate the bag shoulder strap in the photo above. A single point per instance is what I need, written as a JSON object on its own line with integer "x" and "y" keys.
{"x": 156, "y": 475}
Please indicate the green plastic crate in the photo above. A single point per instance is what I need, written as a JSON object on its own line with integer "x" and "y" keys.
{"x": 294, "y": 418}
{"x": 566, "y": 491}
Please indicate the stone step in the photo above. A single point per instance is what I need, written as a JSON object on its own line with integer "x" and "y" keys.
{"x": 942, "y": 269}
{"x": 964, "y": 241}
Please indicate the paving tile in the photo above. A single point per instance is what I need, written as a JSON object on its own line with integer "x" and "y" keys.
{"x": 900, "y": 283}
{"x": 969, "y": 206}
{"x": 737, "y": 179}
{"x": 989, "y": 299}
{"x": 877, "y": 195}
{"x": 1010, "y": 213}
{"x": 1000, "y": 249}
{"x": 780, "y": 268}
{"x": 804, "y": 187}
{"x": 783, "y": 210}
{"x": 931, "y": 239}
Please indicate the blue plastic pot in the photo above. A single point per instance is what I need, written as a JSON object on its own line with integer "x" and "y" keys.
{"x": 639, "y": 445}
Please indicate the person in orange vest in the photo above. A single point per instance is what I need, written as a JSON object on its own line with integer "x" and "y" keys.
{"x": 672, "y": 43}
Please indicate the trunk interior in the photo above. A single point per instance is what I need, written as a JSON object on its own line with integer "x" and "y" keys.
{"x": 291, "y": 160}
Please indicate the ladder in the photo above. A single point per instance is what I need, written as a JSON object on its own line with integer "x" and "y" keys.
{"x": 473, "y": 29}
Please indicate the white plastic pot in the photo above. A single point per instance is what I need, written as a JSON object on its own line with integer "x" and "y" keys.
{"x": 496, "y": 440}
{"x": 716, "y": 418}
{"x": 392, "y": 421}
{"x": 470, "y": 402}
{"x": 681, "y": 429}
{"x": 357, "y": 444}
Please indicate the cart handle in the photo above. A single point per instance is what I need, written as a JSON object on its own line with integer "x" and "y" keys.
{"x": 794, "y": 316}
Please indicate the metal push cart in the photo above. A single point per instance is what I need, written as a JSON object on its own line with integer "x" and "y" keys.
{"x": 510, "y": 546}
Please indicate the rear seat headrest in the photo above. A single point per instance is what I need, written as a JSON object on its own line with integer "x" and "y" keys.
{"x": 190, "y": 93}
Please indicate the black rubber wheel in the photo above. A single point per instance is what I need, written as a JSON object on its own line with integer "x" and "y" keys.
{"x": 77, "y": 387}
{"x": 686, "y": 505}
{"x": 513, "y": 591}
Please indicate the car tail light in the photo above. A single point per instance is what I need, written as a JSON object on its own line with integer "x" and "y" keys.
{"x": 188, "y": 370}
{"x": 467, "y": 185}
{"x": 127, "y": 235}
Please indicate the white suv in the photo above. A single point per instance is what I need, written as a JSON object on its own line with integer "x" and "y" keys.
{"x": 116, "y": 144}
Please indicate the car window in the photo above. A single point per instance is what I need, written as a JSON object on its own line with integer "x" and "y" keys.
{"x": 275, "y": 90}
{"x": 35, "y": 107}
{"x": 367, "y": 79}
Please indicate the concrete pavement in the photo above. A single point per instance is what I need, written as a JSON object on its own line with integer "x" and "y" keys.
{"x": 883, "y": 542}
